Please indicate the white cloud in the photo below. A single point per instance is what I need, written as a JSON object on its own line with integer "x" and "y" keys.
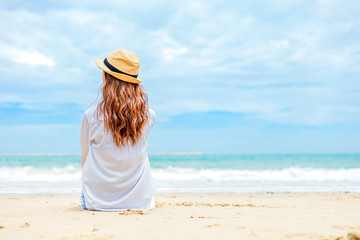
{"x": 76, "y": 16}
{"x": 29, "y": 57}
{"x": 32, "y": 58}
{"x": 171, "y": 53}
{"x": 280, "y": 43}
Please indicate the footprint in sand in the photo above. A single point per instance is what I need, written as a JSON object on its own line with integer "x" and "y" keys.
{"x": 132, "y": 212}
{"x": 353, "y": 236}
{"x": 25, "y": 225}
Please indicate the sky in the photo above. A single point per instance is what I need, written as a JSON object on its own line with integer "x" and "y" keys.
{"x": 226, "y": 77}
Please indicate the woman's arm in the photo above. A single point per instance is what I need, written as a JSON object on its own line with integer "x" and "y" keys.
{"x": 84, "y": 140}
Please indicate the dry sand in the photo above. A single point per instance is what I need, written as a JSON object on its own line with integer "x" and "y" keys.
{"x": 185, "y": 216}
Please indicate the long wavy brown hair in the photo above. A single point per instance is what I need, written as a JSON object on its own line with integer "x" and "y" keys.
{"x": 124, "y": 107}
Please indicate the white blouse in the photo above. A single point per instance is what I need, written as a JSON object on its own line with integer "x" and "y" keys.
{"x": 114, "y": 178}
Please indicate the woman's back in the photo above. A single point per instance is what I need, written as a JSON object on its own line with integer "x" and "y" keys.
{"x": 115, "y": 178}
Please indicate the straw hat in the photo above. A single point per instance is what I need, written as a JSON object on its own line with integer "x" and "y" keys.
{"x": 122, "y": 64}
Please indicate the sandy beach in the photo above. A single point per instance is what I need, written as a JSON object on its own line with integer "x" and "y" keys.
{"x": 185, "y": 216}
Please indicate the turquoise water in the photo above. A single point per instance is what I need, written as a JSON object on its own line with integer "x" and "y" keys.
{"x": 244, "y": 162}
{"x": 40, "y": 161}
{"x": 196, "y": 173}
{"x": 258, "y": 162}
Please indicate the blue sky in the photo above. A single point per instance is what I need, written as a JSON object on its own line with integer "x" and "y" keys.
{"x": 223, "y": 76}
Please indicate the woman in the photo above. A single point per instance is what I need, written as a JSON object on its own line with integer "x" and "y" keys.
{"x": 113, "y": 139}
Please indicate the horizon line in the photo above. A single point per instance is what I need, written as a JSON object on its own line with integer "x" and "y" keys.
{"x": 173, "y": 153}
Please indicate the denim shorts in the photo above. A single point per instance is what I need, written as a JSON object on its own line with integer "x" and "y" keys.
{"x": 82, "y": 201}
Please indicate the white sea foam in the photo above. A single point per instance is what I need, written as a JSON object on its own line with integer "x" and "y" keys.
{"x": 68, "y": 179}
{"x": 32, "y": 174}
{"x": 71, "y": 173}
{"x": 288, "y": 174}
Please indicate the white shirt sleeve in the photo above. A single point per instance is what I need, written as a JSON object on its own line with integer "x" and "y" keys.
{"x": 150, "y": 124}
{"x": 152, "y": 118}
{"x": 84, "y": 140}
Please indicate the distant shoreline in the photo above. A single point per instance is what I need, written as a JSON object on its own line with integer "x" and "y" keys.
{"x": 170, "y": 154}
{"x": 38, "y": 154}
{"x": 78, "y": 154}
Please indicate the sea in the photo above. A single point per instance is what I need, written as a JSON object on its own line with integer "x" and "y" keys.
{"x": 195, "y": 173}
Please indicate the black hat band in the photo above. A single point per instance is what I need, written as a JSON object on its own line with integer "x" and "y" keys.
{"x": 114, "y": 69}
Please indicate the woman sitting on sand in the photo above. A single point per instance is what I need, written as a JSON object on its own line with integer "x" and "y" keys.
{"x": 113, "y": 139}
